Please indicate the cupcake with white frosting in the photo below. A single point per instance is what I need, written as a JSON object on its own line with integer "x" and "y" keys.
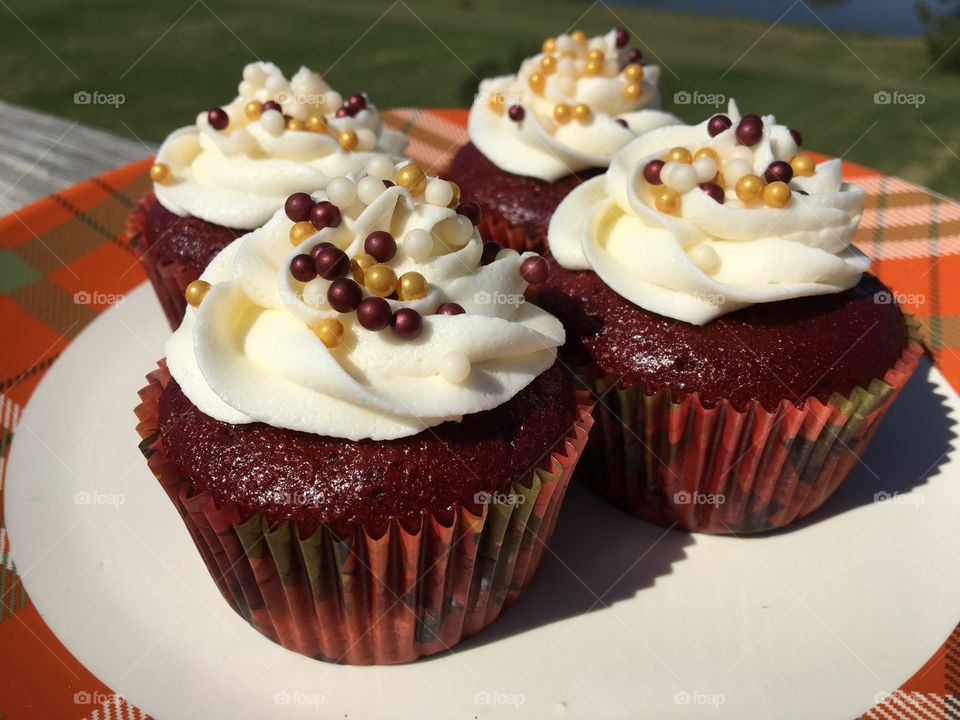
{"x": 713, "y": 297}
{"x": 368, "y": 420}
{"x": 539, "y": 133}
{"x": 228, "y": 172}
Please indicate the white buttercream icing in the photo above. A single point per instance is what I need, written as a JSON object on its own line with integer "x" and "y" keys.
{"x": 540, "y": 147}
{"x": 248, "y": 353}
{"x": 239, "y": 176}
{"x": 709, "y": 259}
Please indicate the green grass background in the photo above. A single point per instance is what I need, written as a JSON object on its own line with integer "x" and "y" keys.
{"x": 173, "y": 59}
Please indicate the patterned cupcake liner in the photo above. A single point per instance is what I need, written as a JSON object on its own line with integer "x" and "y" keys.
{"x": 722, "y": 470}
{"x": 169, "y": 278}
{"x": 367, "y": 599}
{"x": 494, "y": 228}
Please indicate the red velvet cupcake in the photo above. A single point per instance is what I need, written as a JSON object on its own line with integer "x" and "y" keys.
{"x": 366, "y": 434}
{"x": 230, "y": 171}
{"x": 537, "y": 135}
{"x": 740, "y": 354}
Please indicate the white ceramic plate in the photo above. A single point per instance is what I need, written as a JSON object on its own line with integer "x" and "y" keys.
{"x": 624, "y": 620}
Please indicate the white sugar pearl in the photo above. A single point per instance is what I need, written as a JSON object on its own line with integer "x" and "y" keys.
{"x": 315, "y": 294}
{"x": 704, "y": 257}
{"x": 439, "y": 192}
{"x": 381, "y": 167}
{"x": 506, "y": 253}
{"x": 366, "y": 139}
{"x": 342, "y": 191}
{"x": 706, "y": 168}
{"x": 666, "y": 170}
{"x": 565, "y": 43}
{"x": 276, "y": 84}
{"x": 566, "y": 85}
{"x": 597, "y": 43}
{"x": 454, "y": 367}
{"x": 683, "y": 178}
{"x": 272, "y": 121}
{"x": 254, "y": 74}
{"x": 418, "y": 245}
{"x": 735, "y": 169}
{"x": 369, "y": 189}
{"x": 579, "y": 65}
{"x": 246, "y": 89}
{"x": 739, "y": 152}
{"x": 462, "y": 232}
{"x": 565, "y": 66}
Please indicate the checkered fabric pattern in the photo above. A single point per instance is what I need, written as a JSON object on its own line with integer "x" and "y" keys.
{"x": 64, "y": 260}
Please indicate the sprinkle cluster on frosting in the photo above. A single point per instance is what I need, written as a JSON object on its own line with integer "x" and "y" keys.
{"x": 570, "y": 107}
{"x": 236, "y": 163}
{"x": 693, "y": 222}
{"x": 387, "y": 315}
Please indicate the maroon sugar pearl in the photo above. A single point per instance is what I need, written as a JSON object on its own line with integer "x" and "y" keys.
{"x": 271, "y": 105}
{"x": 714, "y": 191}
{"x": 471, "y": 211}
{"x": 750, "y": 129}
{"x": 651, "y": 172}
{"x": 218, "y": 119}
{"x": 356, "y": 102}
{"x": 797, "y": 137}
{"x": 325, "y": 214}
{"x": 344, "y": 295}
{"x": 331, "y": 263}
{"x": 319, "y": 248}
{"x": 622, "y": 37}
{"x": 717, "y": 124}
{"x": 388, "y": 183}
{"x": 381, "y": 245}
{"x": 778, "y": 170}
{"x": 302, "y": 268}
{"x": 373, "y": 313}
{"x": 298, "y": 206}
{"x": 490, "y": 250}
{"x": 344, "y": 111}
{"x": 516, "y": 113}
{"x": 450, "y": 309}
{"x": 535, "y": 270}
{"x": 634, "y": 56}
{"x": 622, "y": 123}
{"x": 406, "y": 323}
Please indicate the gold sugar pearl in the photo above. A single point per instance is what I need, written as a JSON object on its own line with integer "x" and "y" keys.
{"x": 679, "y": 155}
{"x": 359, "y": 264}
{"x": 593, "y": 68}
{"x": 348, "y": 140}
{"x": 160, "y": 173}
{"x": 707, "y": 152}
{"x": 579, "y": 36}
{"x": 253, "y": 110}
{"x": 667, "y": 200}
{"x": 548, "y": 64}
{"x": 330, "y": 332}
{"x": 777, "y": 194}
{"x": 537, "y": 81}
{"x": 550, "y": 45}
{"x": 749, "y": 188}
{"x": 582, "y": 113}
{"x": 411, "y": 177}
{"x": 456, "y": 194}
{"x": 380, "y": 280}
{"x": 562, "y": 113}
{"x": 300, "y": 231}
{"x": 294, "y": 124}
{"x": 633, "y": 91}
{"x": 633, "y": 72}
{"x": 317, "y": 123}
{"x": 803, "y": 165}
{"x": 413, "y": 286}
{"x": 496, "y": 102}
{"x": 596, "y": 56}
{"x": 195, "y": 292}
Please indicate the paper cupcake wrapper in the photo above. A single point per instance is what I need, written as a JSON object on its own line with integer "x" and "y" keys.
{"x": 367, "y": 599}
{"x": 494, "y": 228}
{"x": 169, "y": 278}
{"x": 722, "y": 470}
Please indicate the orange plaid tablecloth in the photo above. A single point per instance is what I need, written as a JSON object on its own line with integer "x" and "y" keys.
{"x": 64, "y": 260}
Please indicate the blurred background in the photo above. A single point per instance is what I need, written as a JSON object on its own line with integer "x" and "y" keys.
{"x": 875, "y": 81}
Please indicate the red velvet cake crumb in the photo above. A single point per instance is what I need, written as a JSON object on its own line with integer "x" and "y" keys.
{"x": 190, "y": 241}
